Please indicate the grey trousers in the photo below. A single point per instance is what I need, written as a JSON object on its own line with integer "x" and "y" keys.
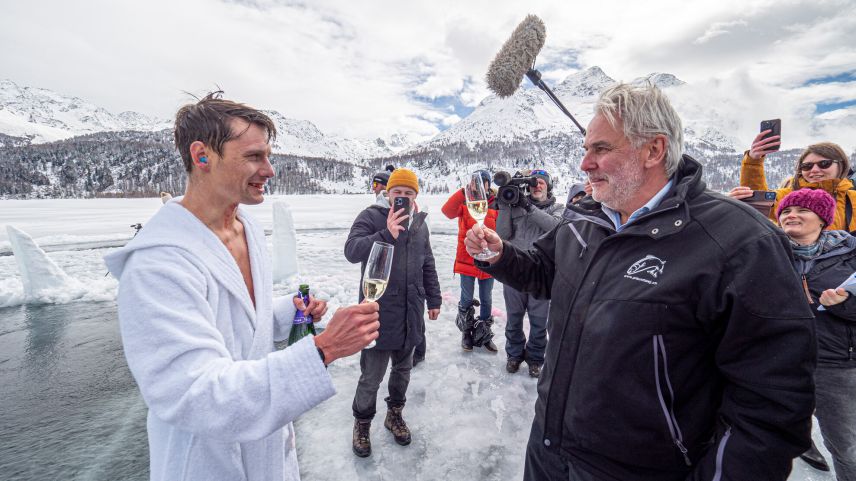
{"x": 516, "y": 345}
{"x": 373, "y": 363}
{"x": 835, "y": 396}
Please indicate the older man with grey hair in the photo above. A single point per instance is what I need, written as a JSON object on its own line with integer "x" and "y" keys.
{"x": 681, "y": 346}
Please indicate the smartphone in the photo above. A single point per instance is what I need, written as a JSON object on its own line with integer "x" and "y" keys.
{"x": 402, "y": 203}
{"x": 762, "y": 201}
{"x": 775, "y": 128}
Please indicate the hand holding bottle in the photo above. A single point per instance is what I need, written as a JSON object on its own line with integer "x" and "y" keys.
{"x": 304, "y": 318}
{"x": 315, "y": 309}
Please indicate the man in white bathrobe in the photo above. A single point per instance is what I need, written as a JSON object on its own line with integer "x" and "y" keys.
{"x": 198, "y": 318}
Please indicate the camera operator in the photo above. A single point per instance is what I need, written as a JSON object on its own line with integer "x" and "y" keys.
{"x": 523, "y": 217}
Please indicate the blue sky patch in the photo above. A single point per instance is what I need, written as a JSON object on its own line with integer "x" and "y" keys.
{"x": 840, "y": 77}
{"x": 830, "y": 106}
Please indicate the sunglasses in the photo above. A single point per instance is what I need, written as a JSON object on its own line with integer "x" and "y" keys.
{"x": 538, "y": 172}
{"x": 823, "y": 164}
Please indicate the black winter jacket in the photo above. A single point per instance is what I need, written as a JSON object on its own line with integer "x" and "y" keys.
{"x": 413, "y": 278}
{"x": 836, "y": 325}
{"x": 680, "y": 348}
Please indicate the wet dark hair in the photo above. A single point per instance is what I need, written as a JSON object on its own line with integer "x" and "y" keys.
{"x": 209, "y": 121}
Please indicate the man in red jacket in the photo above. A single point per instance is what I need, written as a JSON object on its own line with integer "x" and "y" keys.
{"x": 456, "y": 208}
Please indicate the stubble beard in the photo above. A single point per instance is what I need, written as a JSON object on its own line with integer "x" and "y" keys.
{"x": 623, "y": 185}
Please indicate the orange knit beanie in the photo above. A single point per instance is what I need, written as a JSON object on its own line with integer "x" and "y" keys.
{"x": 403, "y": 178}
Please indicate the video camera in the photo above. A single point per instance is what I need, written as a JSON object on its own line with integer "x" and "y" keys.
{"x": 512, "y": 187}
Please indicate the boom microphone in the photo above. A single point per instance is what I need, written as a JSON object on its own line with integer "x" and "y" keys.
{"x": 516, "y": 58}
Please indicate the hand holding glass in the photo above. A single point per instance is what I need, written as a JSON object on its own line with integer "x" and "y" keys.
{"x": 376, "y": 275}
{"x": 476, "y": 198}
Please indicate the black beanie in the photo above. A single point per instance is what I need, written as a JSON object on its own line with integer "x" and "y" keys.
{"x": 383, "y": 177}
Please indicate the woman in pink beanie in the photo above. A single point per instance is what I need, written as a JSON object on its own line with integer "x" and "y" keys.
{"x": 824, "y": 259}
{"x": 808, "y": 200}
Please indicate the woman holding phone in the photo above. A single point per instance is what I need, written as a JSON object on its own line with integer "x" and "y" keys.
{"x": 822, "y": 166}
{"x": 824, "y": 259}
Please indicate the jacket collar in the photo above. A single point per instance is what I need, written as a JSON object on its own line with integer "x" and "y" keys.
{"x": 831, "y": 186}
{"x": 667, "y": 218}
{"x": 550, "y": 200}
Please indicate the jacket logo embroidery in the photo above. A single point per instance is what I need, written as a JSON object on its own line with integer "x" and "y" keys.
{"x": 650, "y": 265}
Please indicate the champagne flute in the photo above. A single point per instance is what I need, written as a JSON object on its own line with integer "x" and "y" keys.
{"x": 476, "y": 199}
{"x": 376, "y": 274}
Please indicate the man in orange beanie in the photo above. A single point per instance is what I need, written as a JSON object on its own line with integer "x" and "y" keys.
{"x": 412, "y": 282}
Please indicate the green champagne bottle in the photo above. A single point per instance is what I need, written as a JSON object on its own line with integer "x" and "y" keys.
{"x": 302, "y": 325}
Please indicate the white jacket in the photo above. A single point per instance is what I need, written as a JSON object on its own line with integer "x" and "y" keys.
{"x": 221, "y": 400}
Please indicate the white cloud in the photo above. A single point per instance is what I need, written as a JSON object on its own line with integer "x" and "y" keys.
{"x": 355, "y": 68}
{"x": 839, "y": 114}
{"x": 451, "y": 120}
{"x": 718, "y": 29}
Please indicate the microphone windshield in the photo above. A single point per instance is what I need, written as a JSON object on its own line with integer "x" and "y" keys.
{"x": 516, "y": 57}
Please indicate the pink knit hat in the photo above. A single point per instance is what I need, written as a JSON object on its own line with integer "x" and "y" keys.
{"x": 816, "y": 200}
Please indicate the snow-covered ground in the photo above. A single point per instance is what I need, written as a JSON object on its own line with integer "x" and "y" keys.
{"x": 470, "y": 419}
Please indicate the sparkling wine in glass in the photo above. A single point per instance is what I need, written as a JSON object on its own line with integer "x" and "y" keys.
{"x": 376, "y": 274}
{"x": 476, "y": 198}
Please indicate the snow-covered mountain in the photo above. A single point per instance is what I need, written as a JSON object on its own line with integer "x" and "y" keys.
{"x": 42, "y": 115}
{"x": 37, "y": 116}
{"x": 530, "y": 115}
{"x": 303, "y": 138}
{"x": 527, "y": 130}
{"x": 522, "y": 131}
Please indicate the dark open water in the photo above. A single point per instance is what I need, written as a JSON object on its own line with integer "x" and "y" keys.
{"x": 69, "y": 408}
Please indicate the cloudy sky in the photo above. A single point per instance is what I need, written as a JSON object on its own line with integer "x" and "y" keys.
{"x": 375, "y": 67}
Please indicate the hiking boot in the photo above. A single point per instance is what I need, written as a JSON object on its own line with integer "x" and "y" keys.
{"x": 490, "y": 346}
{"x": 512, "y": 366}
{"x": 467, "y": 340}
{"x": 813, "y": 458}
{"x": 534, "y": 369}
{"x": 362, "y": 443}
{"x": 395, "y": 423}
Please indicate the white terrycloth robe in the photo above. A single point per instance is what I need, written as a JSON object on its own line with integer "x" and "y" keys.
{"x": 221, "y": 400}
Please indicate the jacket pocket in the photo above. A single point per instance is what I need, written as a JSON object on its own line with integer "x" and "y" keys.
{"x": 664, "y": 385}
{"x": 614, "y": 406}
{"x": 720, "y": 454}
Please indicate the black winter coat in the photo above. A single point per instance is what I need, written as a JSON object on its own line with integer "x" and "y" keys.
{"x": 836, "y": 325}
{"x": 413, "y": 279}
{"x": 680, "y": 348}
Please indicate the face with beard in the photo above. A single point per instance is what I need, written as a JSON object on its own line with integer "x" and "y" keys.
{"x": 613, "y": 165}
{"x": 539, "y": 192}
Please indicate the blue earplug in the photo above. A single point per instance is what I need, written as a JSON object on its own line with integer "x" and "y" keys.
{"x": 203, "y": 160}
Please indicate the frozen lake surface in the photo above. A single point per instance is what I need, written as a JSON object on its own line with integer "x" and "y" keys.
{"x": 71, "y": 410}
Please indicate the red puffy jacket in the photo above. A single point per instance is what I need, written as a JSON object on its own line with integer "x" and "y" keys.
{"x": 456, "y": 207}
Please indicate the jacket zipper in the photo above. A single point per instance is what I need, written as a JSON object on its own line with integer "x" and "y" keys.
{"x": 805, "y": 288}
{"x": 720, "y": 453}
{"x": 668, "y": 411}
{"x": 579, "y": 239}
{"x": 850, "y": 341}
